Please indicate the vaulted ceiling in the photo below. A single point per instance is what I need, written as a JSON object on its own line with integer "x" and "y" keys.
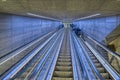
{"x": 61, "y": 9}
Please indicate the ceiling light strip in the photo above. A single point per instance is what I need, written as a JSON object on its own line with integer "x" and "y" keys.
{"x": 86, "y": 17}
{"x": 31, "y": 14}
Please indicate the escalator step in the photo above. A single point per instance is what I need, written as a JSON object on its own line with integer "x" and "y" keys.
{"x": 105, "y": 75}
{"x": 65, "y": 57}
{"x": 95, "y": 61}
{"x": 63, "y": 74}
{"x": 65, "y": 54}
{"x": 64, "y": 60}
{"x": 98, "y": 65}
{"x": 91, "y": 54}
{"x": 59, "y": 78}
{"x": 93, "y": 58}
{"x": 64, "y": 63}
{"x": 63, "y": 68}
{"x": 101, "y": 69}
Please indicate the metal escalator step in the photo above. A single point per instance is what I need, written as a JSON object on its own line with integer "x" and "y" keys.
{"x": 63, "y": 74}
{"x": 59, "y": 78}
{"x": 105, "y": 75}
{"x": 23, "y": 75}
{"x": 101, "y": 69}
{"x": 65, "y": 54}
{"x": 64, "y": 63}
{"x": 64, "y": 60}
{"x": 95, "y": 61}
{"x": 66, "y": 57}
{"x": 91, "y": 54}
{"x": 63, "y": 68}
{"x": 98, "y": 65}
{"x": 93, "y": 58}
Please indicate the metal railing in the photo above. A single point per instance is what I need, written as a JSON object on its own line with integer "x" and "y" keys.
{"x": 56, "y": 51}
{"x": 86, "y": 69}
{"x": 50, "y": 52}
{"x": 35, "y": 68}
{"x": 76, "y": 65}
{"x": 99, "y": 76}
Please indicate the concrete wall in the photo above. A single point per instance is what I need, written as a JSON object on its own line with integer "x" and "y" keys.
{"x": 114, "y": 61}
{"x": 99, "y": 28}
{"x": 16, "y": 31}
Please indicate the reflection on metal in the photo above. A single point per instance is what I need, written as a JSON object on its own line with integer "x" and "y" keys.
{"x": 76, "y": 67}
{"x": 90, "y": 60}
{"x": 87, "y": 71}
{"x": 51, "y": 69}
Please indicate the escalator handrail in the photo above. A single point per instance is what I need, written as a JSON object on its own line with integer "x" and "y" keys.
{"x": 90, "y": 61}
{"x": 36, "y": 64}
{"x": 52, "y": 66}
{"x": 18, "y": 68}
{"x": 32, "y": 71}
{"x": 77, "y": 76}
{"x": 87, "y": 70}
{"x": 36, "y": 77}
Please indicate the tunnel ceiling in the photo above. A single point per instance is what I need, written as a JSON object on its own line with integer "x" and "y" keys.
{"x": 61, "y": 9}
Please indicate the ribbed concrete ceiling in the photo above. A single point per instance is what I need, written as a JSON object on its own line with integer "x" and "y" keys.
{"x": 61, "y": 9}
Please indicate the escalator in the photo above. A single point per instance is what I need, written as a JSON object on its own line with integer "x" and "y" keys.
{"x": 64, "y": 56}
{"x": 105, "y": 70}
{"x": 27, "y": 65}
{"x": 63, "y": 69}
{"x": 100, "y": 68}
{"x": 37, "y": 63}
{"x": 34, "y": 63}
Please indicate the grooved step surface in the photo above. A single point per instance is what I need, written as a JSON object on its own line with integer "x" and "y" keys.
{"x": 63, "y": 69}
{"x": 105, "y": 75}
{"x": 63, "y": 74}
{"x": 64, "y": 63}
{"x": 101, "y": 69}
{"x": 59, "y": 78}
{"x": 65, "y": 60}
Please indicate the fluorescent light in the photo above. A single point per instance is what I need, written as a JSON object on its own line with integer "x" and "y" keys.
{"x": 31, "y": 14}
{"x": 86, "y": 17}
{"x": 4, "y": 0}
